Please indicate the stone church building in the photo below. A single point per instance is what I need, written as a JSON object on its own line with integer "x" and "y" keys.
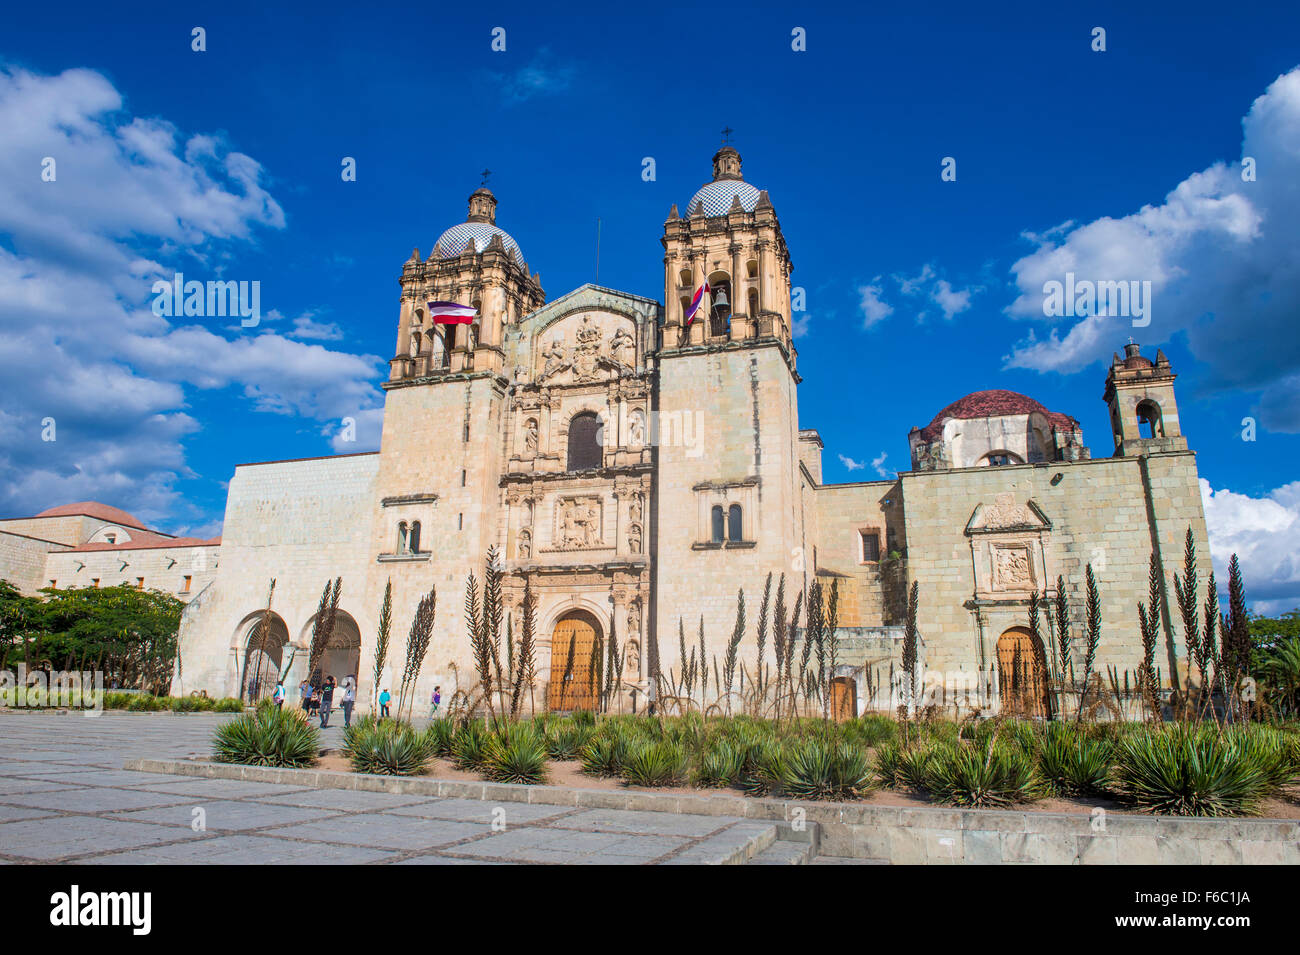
{"x": 639, "y": 469}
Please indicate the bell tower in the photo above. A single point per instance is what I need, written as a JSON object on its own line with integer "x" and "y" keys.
{"x": 727, "y": 447}
{"x": 475, "y": 263}
{"x": 732, "y": 239}
{"x": 1143, "y": 410}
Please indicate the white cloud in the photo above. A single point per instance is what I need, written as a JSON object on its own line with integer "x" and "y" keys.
{"x": 1220, "y": 255}
{"x": 801, "y": 325}
{"x": 133, "y": 201}
{"x": 873, "y": 309}
{"x": 850, "y": 464}
{"x": 879, "y": 464}
{"x": 541, "y": 76}
{"x": 1262, "y": 532}
{"x": 953, "y": 302}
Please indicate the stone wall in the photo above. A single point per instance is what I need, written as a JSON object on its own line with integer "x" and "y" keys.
{"x": 178, "y": 571}
{"x": 23, "y": 559}
{"x": 1105, "y": 512}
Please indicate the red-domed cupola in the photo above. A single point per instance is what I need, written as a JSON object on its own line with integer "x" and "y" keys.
{"x": 995, "y": 427}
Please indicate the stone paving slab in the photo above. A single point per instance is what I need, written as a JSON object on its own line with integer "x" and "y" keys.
{"x": 341, "y": 799}
{"x": 226, "y": 815}
{"x": 480, "y": 811}
{"x": 246, "y": 850}
{"x": 383, "y": 831}
{"x": 49, "y": 839}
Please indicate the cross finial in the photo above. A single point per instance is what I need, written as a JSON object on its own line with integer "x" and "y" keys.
{"x": 726, "y": 135}
{"x": 1130, "y": 340}
{"x": 485, "y": 174}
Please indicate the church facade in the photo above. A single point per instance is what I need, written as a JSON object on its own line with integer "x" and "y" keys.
{"x": 638, "y": 468}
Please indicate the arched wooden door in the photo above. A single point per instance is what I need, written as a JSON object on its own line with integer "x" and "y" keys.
{"x": 573, "y": 665}
{"x": 1022, "y": 675}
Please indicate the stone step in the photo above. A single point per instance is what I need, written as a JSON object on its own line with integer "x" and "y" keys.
{"x": 736, "y": 845}
{"x": 784, "y": 853}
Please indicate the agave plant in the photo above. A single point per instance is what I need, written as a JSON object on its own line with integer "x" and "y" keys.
{"x": 438, "y": 737}
{"x": 1071, "y": 763}
{"x": 1185, "y": 772}
{"x": 993, "y": 775}
{"x": 819, "y": 770}
{"x": 655, "y": 764}
{"x": 604, "y": 755}
{"x": 767, "y": 769}
{"x": 386, "y": 748}
{"x": 267, "y": 737}
{"x": 516, "y": 754}
{"x": 721, "y": 765}
{"x": 469, "y": 746}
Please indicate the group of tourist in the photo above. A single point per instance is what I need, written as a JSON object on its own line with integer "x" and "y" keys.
{"x": 317, "y": 700}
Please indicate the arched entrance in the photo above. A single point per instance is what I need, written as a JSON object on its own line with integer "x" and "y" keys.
{"x": 263, "y": 655}
{"x": 342, "y": 657}
{"x": 1022, "y": 675}
{"x": 574, "y": 663}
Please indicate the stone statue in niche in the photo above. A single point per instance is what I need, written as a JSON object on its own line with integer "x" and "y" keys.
{"x": 634, "y": 619}
{"x": 634, "y": 539}
{"x": 636, "y": 430}
{"x": 634, "y": 512}
{"x": 622, "y": 347}
{"x": 633, "y": 656}
{"x": 524, "y": 549}
{"x": 531, "y": 436}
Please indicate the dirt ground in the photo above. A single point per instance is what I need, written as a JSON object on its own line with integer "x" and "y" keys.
{"x": 569, "y": 773}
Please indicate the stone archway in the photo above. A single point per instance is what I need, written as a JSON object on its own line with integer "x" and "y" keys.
{"x": 575, "y": 644}
{"x": 1023, "y": 683}
{"x": 263, "y": 654}
{"x": 342, "y": 657}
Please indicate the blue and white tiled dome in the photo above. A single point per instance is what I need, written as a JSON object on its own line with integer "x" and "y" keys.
{"x": 716, "y": 197}
{"x": 452, "y": 242}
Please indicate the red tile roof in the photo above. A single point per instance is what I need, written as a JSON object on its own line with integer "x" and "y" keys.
{"x": 94, "y": 509}
{"x": 993, "y": 404}
{"x": 147, "y": 541}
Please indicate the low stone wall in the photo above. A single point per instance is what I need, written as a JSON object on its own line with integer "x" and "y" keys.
{"x": 900, "y": 835}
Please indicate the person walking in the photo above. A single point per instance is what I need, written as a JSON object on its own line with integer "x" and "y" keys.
{"x": 434, "y": 702}
{"x": 384, "y": 699}
{"x": 326, "y": 701}
{"x": 278, "y": 695}
{"x": 349, "y": 699}
{"x": 304, "y": 692}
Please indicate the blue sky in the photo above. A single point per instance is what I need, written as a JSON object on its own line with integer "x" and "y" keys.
{"x": 226, "y": 163}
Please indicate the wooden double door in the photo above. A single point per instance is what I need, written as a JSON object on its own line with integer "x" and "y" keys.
{"x": 574, "y": 668}
{"x": 1022, "y": 675}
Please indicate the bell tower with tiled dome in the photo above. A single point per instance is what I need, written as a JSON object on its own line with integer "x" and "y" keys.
{"x": 475, "y": 263}
{"x": 727, "y": 379}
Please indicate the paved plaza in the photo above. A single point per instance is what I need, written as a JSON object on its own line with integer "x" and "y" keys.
{"x": 64, "y": 797}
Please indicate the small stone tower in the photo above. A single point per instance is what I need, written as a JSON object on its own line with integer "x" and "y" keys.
{"x": 1143, "y": 410}
{"x": 474, "y": 263}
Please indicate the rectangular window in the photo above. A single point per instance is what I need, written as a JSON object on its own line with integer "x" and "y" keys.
{"x": 185, "y": 587}
{"x": 462, "y": 477}
{"x": 139, "y": 583}
{"x": 870, "y": 545}
{"x": 54, "y": 584}
{"x": 460, "y": 522}
{"x": 94, "y": 582}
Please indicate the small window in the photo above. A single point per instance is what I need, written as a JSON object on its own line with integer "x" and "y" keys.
{"x": 111, "y": 538}
{"x": 870, "y": 545}
{"x": 403, "y": 537}
{"x": 733, "y": 523}
{"x": 185, "y": 585}
{"x": 415, "y": 537}
{"x": 460, "y": 522}
{"x": 462, "y": 477}
{"x": 94, "y": 582}
{"x": 139, "y": 583}
{"x": 54, "y": 584}
{"x": 717, "y": 524}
